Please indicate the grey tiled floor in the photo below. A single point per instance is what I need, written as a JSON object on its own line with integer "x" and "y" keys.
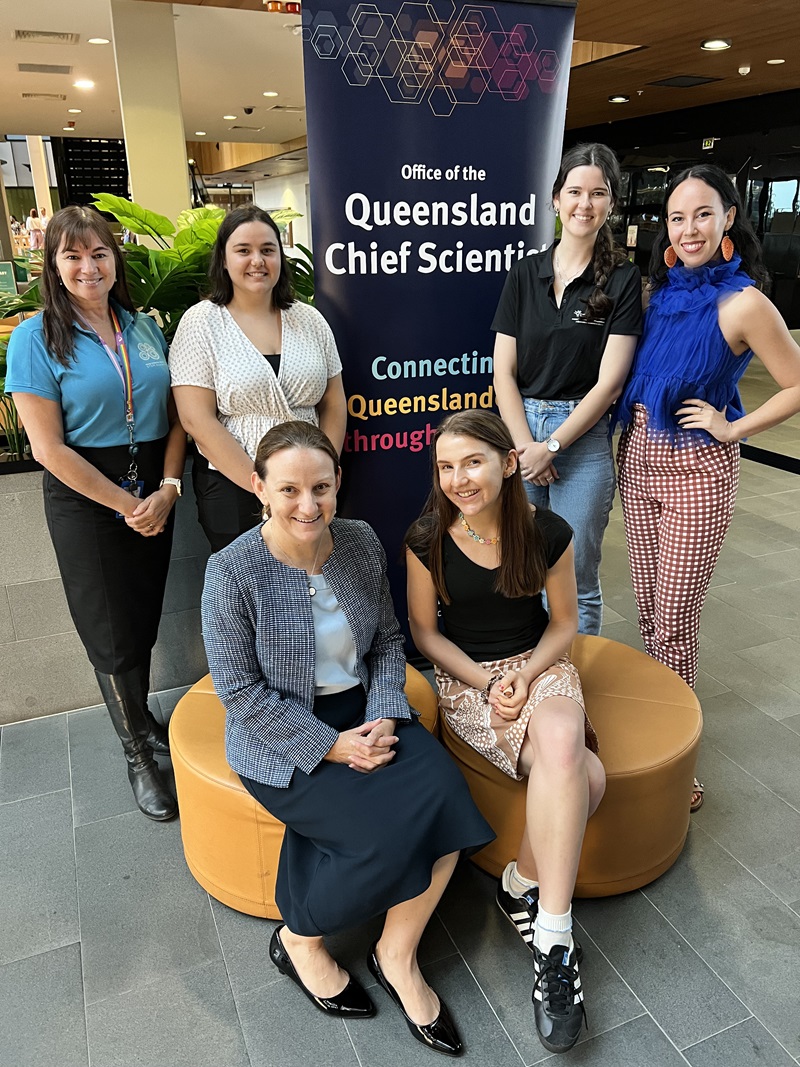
{"x": 110, "y": 953}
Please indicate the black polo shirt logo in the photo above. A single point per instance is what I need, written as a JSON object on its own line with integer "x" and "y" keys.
{"x": 582, "y": 317}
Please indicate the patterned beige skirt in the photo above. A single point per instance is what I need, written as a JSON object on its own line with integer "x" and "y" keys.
{"x": 469, "y": 714}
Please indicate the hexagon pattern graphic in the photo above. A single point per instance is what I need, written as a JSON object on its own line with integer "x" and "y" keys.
{"x": 421, "y": 57}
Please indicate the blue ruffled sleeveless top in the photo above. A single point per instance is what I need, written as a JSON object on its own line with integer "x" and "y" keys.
{"x": 682, "y": 353}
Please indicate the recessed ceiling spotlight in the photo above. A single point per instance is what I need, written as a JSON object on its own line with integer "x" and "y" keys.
{"x": 98, "y": 40}
{"x": 619, "y": 98}
{"x": 199, "y": 133}
{"x": 229, "y": 118}
{"x": 83, "y": 83}
{"x": 775, "y": 62}
{"x": 68, "y": 129}
{"x": 270, "y": 93}
{"x": 74, "y": 111}
{"x": 715, "y": 44}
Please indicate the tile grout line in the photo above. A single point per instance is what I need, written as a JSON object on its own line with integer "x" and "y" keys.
{"x": 750, "y": 774}
{"x": 228, "y": 976}
{"x": 724, "y": 1030}
{"x": 78, "y": 897}
{"x": 480, "y": 987}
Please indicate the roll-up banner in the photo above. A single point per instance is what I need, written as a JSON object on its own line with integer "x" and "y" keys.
{"x": 434, "y": 137}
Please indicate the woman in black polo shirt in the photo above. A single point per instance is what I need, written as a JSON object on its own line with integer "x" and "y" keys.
{"x": 566, "y": 325}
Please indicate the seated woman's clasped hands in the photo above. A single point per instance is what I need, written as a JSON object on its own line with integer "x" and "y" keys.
{"x": 307, "y": 657}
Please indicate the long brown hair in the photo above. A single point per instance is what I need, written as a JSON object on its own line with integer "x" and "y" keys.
{"x": 606, "y": 255}
{"x": 70, "y": 227}
{"x": 523, "y": 562}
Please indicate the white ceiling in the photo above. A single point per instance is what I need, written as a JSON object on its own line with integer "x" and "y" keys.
{"x": 227, "y": 59}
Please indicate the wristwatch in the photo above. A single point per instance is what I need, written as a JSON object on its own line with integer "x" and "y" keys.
{"x": 172, "y": 481}
{"x": 552, "y": 444}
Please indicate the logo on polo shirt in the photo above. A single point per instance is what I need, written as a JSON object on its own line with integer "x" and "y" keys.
{"x": 147, "y": 352}
{"x": 582, "y": 317}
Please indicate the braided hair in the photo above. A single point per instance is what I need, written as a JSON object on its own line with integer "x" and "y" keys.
{"x": 606, "y": 255}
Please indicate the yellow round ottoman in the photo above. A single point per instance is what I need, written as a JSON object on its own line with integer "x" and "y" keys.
{"x": 648, "y": 723}
{"x": 230, "y": 842}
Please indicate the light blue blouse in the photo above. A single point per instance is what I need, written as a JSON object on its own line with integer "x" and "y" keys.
{"x": 333, "y": 639}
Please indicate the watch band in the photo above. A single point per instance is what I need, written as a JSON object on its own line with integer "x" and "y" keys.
{"x": 172, "y": 481}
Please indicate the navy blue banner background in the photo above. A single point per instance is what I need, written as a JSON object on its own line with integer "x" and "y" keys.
{"x": 447, "y": 121}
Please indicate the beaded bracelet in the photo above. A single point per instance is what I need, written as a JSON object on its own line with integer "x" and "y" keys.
{"x": 488, "y": 687}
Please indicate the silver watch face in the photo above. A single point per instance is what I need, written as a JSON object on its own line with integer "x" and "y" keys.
{"x": 553, "y": 445}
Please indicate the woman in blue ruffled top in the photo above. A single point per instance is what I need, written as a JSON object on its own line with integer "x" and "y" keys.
{"x": 681, "y": 411}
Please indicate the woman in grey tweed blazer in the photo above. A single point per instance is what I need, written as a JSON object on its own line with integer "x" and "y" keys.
{"x": 307, "y": 657}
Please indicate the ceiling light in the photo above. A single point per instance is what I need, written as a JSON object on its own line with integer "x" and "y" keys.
{"x": 74, "y": 111}
{"x": 98, "y": 40}
{"x": 230, "y": 118}
{"x": 199, "y": 133}
{"x": 68, "y": 129}
{"x": 275, "y": 94}
{"x": 618, "y": 98}
{"x": 715, "y": 44}
{"x": 83, "y": 83}
{"x": 775, "y": 62}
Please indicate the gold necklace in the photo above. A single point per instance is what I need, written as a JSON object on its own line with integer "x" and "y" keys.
{"x": 475, "y": 537}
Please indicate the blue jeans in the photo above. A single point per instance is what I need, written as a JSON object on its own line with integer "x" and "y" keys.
{"x": 583, "y": 495}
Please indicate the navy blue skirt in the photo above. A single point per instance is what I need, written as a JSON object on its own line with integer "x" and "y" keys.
{"x": 357, "y": 844}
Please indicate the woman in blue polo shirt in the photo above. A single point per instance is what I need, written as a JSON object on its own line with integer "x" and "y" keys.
{"x": 566, "y": 325}
{"x": 90, "y": 379}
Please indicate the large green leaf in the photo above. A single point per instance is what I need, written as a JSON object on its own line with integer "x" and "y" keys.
{"x": 11, "y": 304}
{"x": 282, "y": 215}
{"x": 202, "y": 232}
{"x": 162, "y": 281}
{"x": 195, "y": 214}
{"x": 134, "y": 217}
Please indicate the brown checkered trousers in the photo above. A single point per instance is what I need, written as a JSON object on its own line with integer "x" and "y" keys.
{"x": 677, "y": 504}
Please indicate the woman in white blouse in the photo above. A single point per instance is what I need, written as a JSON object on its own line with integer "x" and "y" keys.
{"x": 246, "y": 359}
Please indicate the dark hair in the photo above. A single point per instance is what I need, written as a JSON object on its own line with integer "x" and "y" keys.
{"x": 69, "y": 227}
{"x": 292, "y": 435}
{"x": 34, "y": 213}
{"x": 523, "y": 564}
{"x": 741, "y": 232}
{"x": 220, "y": 284}
{"x": 606, "y": 255}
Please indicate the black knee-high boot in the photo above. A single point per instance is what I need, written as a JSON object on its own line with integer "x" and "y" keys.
{"x": 122, "y": 694}
{"x": 157, "y": 736}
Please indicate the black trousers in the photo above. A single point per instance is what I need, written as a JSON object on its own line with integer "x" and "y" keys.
{"x": 114, "y": 578}
{"x": 223, "y": 509}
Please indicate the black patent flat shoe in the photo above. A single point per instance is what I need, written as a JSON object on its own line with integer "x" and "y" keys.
{"x": 351, "y": 1003}
{"x": 441, "y": 1035}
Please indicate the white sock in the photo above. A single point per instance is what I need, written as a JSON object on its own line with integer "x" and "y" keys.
{"x": 514, "y": 883}
{"x": 551, "y": 930}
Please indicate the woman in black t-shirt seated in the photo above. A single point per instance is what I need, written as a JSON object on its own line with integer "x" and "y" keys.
{"x": 481, "y": 556}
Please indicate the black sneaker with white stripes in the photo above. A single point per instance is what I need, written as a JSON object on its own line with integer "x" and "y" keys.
{"x": 557, "y": 998}
{"x": 521, "y": 912}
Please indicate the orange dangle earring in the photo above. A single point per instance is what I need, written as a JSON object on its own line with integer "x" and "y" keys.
{"x": 727, "y": 249}
{"x": 670, "y": 256}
